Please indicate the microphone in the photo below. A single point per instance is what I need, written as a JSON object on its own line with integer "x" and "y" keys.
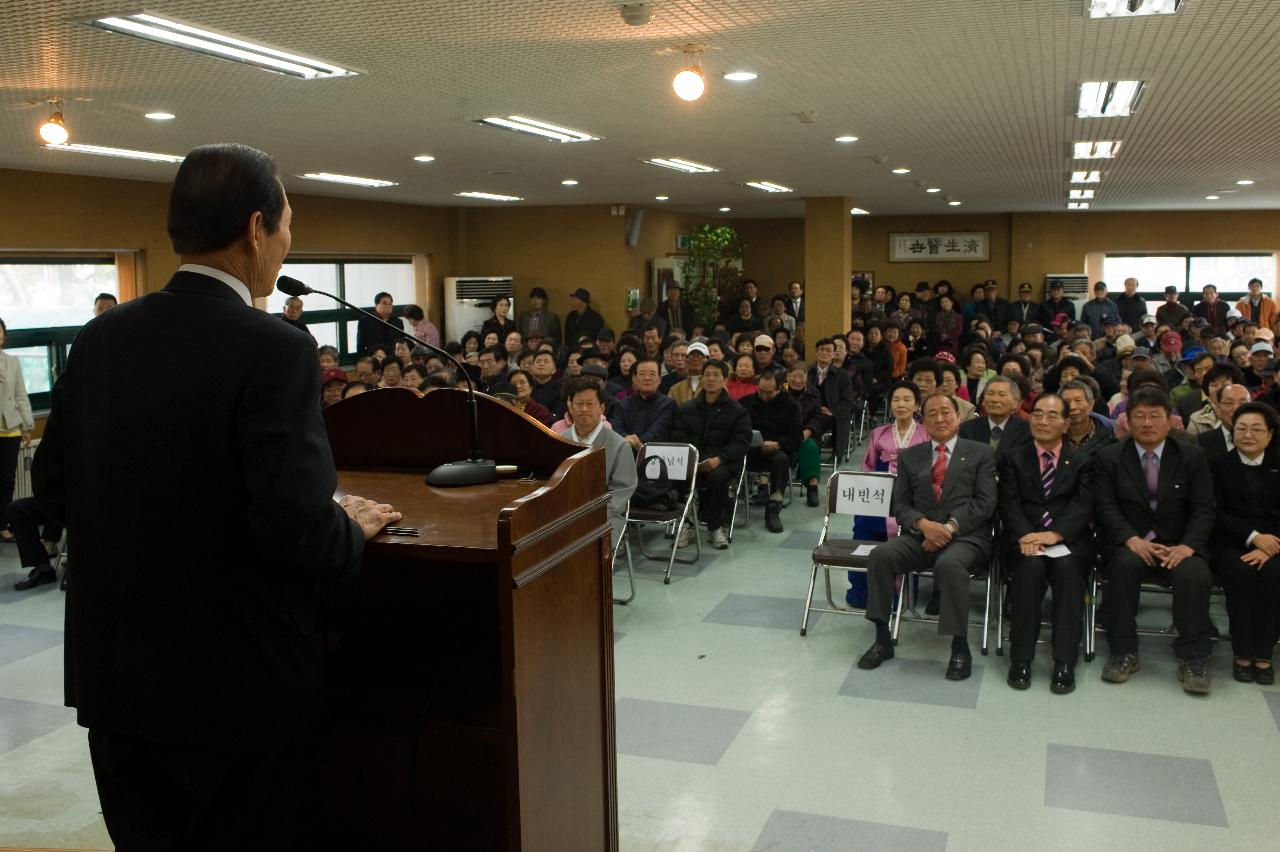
{"x": 475, "y": 470}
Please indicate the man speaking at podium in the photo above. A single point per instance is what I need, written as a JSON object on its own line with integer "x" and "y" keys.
{"x": 198, "y": 497}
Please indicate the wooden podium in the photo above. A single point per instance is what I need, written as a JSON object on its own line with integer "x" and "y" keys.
{"x": 472, "y": 667}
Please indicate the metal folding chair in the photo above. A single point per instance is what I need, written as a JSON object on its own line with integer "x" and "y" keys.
{"x": 631, "y": 574}
{"x": 673, "y": 520}
{"x": 1097, "y": 581}
{"x": 842, "y": 554}
{"x": 992, "y": 584}
{"x": 741, "y": 490}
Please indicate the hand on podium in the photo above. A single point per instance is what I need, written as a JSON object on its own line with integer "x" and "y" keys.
{"x": 371, "y": 516}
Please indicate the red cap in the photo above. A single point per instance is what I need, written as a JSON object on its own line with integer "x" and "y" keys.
{"x": 1170, "y": 341}
{"x": 946, "y": 356}
{"x": 333, "y": 374}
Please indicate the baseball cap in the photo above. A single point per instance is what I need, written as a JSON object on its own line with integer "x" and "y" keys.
{"x": 1033, "y": 328}
{"x": 604, "y": 333}
{"x": 1024, "y": 287}
{"x": 1264, "y": 334}
{"x": 595, "y": 370}
{"x": 583, "y": 294}
{"x": 592, "y": 353}
{"x": 764, "y": 340}
{"x": 1124, "y": 344}
{"x": 949, "y": 357}
{"x": 1191, "y": 354}
{"x": 1059, "y": 318}
{"x": 1171, "y": 289}
{"x": 698, "y": 348}
{"x": 1140, "y": 352}
{"x": 1170, "y": 341}
{"x": 1262, "y": 346}
{"x": 1148, "y": 320}
{"x": 1111, "y": 319}
{"x": 333, "y": 374}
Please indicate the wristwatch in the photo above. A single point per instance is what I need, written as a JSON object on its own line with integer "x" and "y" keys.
{"x": 952, "y": 526}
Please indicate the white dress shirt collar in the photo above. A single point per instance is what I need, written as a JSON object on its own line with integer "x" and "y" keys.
{"x": 1255, "y": 463}
{"x": 589, "y": 440}
{"x": 225, "y": 277}
{"x": 1158, "y": 450}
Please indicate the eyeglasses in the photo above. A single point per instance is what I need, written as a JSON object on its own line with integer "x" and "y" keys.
{"x": 1152, "y": 417}
{"x": 1251, "y": 430}
{"x": 1045, "y": 415}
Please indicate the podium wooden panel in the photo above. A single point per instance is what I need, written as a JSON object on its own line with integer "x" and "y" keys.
{"x": 471, "y": 671}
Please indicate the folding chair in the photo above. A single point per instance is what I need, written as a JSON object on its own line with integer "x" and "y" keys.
{"x": 631, "y": 575}
{"x": 1091, "y": 609}
{"x": 842, "y": 554}
{"x": 675, "y": 520}
{"x": 741, "y": 492}
{"x": 992, "y": 583}
{"x": 1089, "y": 612}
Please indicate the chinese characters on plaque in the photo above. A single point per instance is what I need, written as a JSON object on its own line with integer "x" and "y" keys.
{"x": 933, "y": 246}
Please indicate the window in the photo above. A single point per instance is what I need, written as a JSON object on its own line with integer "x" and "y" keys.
{"x": 37, "y": 368}
{"x": 54, "y": 293}
{"x": 1230, "y": 273}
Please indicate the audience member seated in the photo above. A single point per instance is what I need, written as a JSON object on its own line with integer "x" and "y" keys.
{"x": 1046, "y": 500}
{"x": 695, "y": 359}
{"x": 413, "y": 377}
{"x": 586, "y": 408}
{"x": 646, "y": 414}
{"x": 746, "y": 320}
{"x": 37, "y": 536}
{"x": 546, "y": 388}
{"x": 104, "y": 302}
{"x": 493, "y": 366}
{"x": 1002, "y": 428}
{"x": 675, "y": 365}
{"x": 720, "y": 429}
{"x": 422, "y": 328}
{"x": 522, "y": 384}
{"x": 1216, "y": 442}
{"x": 328, "y": 356}
{"x": 836, "y": 392}
{"x": 743, "y": 381}
{"x": 951, "y": 382}
{"x": 1154, "y": 508}
{"x": 808, "y": 454}
{"x": 862, "y": 373}
{"x": 776, "y": 416}
{"x": 1246, "y": 539}
{"x": 944, "y": 499}
{"x": 356, "y": 387}
{"x": 1087, "y": 431}
{"x": 333, "y": 382}
{"x": 391, "y": 374}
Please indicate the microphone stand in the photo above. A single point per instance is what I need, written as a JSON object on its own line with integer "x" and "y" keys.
{"x": 475, "y": 470}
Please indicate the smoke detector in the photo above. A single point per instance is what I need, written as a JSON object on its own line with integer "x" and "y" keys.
{"x": 636, "y": 14}
{"x": 806, "y": 116}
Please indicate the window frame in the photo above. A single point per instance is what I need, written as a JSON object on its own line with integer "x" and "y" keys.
{"x": 1187, "y": 295}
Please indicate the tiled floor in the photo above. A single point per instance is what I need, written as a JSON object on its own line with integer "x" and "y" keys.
{"x": 736, "y": 733}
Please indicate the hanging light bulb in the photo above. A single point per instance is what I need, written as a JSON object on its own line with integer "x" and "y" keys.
{"x": 689, "y": 84}
{"x": 54, "y": 131}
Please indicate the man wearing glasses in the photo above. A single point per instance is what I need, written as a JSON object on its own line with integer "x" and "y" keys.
{"x": 1155, "y": 509}
{"x": 1046, "y": 502}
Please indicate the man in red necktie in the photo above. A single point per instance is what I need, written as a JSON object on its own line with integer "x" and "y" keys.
{"x": 944, "y": 499}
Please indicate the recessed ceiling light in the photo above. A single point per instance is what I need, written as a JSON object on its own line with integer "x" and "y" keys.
{"x": 1086, "y": 176}
{"x": 1244, "y": 183}
{"x": 424, "y": 158}
{"x": 1077, "y": 205}
{"x": 568, "y": 183}
{"x": 846, "y": 139}
{"x": 725, "y": 209}
{"x": 536, "y": 127}
{"x": 955, "y": 203}
{"x": 681, "y": 165}
{"x": 858, "y": 211}
{"x": 741, "y": 76}
{"x": 934, "y": 189}
{"x": 123, "y": 153}
{"x": 1081, "y": 194}
{"x": 373, "y": 183}
{"x": 489, "y": 196}
{"x": 768, "y": 186}
{"x": 177, "y": 34}
{"x": 160, "y": 116}
{"x": 1109, "y": 99}
{"x": 54, "y": 131}
{"x": 1132, "y": 8}
{"x": 901, "y": 170}
{"x": 1211, "y": 198}
{"x": 1095, "y": 150}
{"x": 662, "y": 198}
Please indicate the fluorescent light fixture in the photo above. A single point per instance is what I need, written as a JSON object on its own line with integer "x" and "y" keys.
{"x": 568, "y": 183}
{"x": 1109, "y": 99}
{"x": 1211, "y": 198}
{"x": 725, "y": 209}
{"x": 123, "y": 153}
{"x": 177, "y": 34}
{"x": 1081, "y": 194}
{"x": 846, "y": 139}
{"x": 741, "y": 76}
{"x": 1132, "y": 8}
{"x": 424, "y": 158}
{"x": 1095, "y": 150}
{"x": 546, "y": 130}
{"x": 858, "y": 211}
{"x": 662, "y": 198}
{"x": 681, "y": 165}
{"x": 160, "y": 116}
{"x": 901, "y": 170}
{"x": 1086, "y": 176}
{"x": 351, "y": 180}
{"x": 1077, "y": 205}
{"x": 934, "y": 189}
{"x": 489, "y": 196}
{"x": 955, "y": 203}
{"x": 1244, "y": 183}
{"x": 768, "y": 186}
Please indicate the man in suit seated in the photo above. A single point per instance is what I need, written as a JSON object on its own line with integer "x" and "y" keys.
{"x": 1154, "y": 507}
{"x": 944, "y": 499}
{"x": 586, "y": 406}
{"x": 1216, "y": 442}
{"x": 1046, "y": 499}
{"x": 646, "y": 415}
{"x": 836, "y": 389}
{"x": 776, "y": 416}
{"x": 1002, "y": 428}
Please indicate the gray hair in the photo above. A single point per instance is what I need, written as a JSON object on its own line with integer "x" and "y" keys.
{"x": 1014, "y": 390}
{"x": 1077, "y": 385}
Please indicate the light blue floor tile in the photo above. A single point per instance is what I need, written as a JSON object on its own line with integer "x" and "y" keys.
{"x": 23, "y": 721}
{"x": 686, "y": 732}
{"x": 760, "y": 611}
{"x": 617, "y": 637}
{"x": 792, "y": 831}
{"x": 1273, "y": 702}
{"x": 1155, "y": 786}
{"x": 913, "y": 681}
{"x": 18, "y": 642}
{"x": 10, "y": 595}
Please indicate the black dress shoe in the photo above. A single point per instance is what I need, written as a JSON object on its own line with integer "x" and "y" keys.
{"x": 960, "y": 667}
{"x": 1064, "y": 678}
{"x": 875, "y": 655}
{"x": 1019, "y": 675}
{"x": 1243, "y": 672}
{"x": 811, "y": 495}
{"x": 37, "y": 577}
{"x": 1265, "y": 676}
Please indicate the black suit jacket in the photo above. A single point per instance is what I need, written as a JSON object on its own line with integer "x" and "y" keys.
{"x": 1016, "y": 432}
{"x": 1248, "y": 499}
{"x": 836, "y": 391}
{"x": 1069, "y": 503}
{"x": 198, "y": 495}
{"x": 371, "y": 334}
{"x": 1185, "y": 506}
{"x": 1027, "y": 312}
{"x": 681, "y": 316}
{"x": 1214, "y": 444}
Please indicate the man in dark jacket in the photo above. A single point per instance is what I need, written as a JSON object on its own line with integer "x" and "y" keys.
{"x": 675, "y": 312}
{"x": 808, "y": 456}
{"x": 836, "y": 390}
{"x": 647, "y": 414}
{"x": 583, "y": 320}
{"x": 1055, "y": 304}
{"x": 721, "y": 431}
{"x": 776, "y": 416}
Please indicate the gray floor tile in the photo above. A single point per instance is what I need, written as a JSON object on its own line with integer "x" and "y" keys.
{"x": 792, "y": 831}
{"x": 18, "y": 642}
{"x": 686, "y": 732}
{"x": 915, "y": 682}
{"x": 1156, "y": 786}
{"x": 8, "y": 594}
{"x": 760, "y": 611}
{"x": 25, "y": 721}
{"x": 805, "y": 539}
{"x": 1273, "y": 701}
{"x": 617, "y": 636}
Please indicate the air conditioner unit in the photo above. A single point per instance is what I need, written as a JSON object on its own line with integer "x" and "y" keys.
{"x": 468, "y": 302}
{"x": 1075, "y": 287}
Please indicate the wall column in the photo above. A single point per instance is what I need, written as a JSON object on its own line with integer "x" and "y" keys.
{"x": 828, "y": 263}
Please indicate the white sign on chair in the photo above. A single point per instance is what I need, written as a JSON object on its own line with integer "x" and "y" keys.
{"x": 676, "y": 459}
{"x": 870, "y": 496}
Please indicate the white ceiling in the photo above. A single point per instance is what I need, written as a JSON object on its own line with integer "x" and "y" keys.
{"x": 975, "y": 96}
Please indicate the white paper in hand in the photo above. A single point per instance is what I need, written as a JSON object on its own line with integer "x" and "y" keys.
{"x": 863, "y": 549}
{"x": 1056, "y": 551}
